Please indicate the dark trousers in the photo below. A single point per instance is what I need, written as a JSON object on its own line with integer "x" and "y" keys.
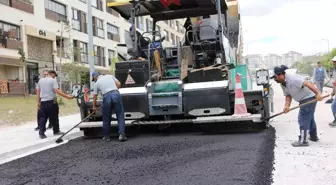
{"x": 112, "y": 101}
{"x": 48, "y": 110}
{"x": 306, "y": 117}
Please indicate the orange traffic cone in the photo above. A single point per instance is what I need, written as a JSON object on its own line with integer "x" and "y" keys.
{"x": 240, "y": 105}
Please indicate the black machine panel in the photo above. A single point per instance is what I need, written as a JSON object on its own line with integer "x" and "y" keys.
{"x": 136, "y": 69}
{"x": 211, "y": 98}
{"x": 135, "y": 103}
{"x": 205, "y": 75}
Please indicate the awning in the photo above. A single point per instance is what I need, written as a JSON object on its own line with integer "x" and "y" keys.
{"x": 9, "y": 61}
{"x": 155, "y": 9}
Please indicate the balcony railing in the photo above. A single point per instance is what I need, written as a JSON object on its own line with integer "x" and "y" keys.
{"x": 55, "y": 16}
{"x": 10, "y": 43}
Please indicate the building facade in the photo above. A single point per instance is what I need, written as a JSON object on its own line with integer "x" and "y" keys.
{"x": 272, "y": 60}
{"x": 290, "y": 58}
{"x": 254, "y": 61}
{"x": 54, "y": 32}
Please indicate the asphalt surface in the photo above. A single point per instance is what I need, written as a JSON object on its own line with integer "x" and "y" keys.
{"x": 166, "y": 159}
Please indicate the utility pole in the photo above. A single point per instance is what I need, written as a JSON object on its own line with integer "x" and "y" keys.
{"x": 61, "y": 52}
{"x": 90, "y": 33}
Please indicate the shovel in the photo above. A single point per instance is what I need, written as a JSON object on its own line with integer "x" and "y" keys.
{"x": 298, "y": 106}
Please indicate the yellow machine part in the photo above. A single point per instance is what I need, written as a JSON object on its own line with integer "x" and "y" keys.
{"x": 111, "y": 3}
{"x": 157, "y": 61}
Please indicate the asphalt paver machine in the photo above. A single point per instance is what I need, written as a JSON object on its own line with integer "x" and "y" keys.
{"x": 193, "y": 82}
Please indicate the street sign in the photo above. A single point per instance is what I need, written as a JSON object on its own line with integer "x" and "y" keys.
{"x": 129, "y": 80}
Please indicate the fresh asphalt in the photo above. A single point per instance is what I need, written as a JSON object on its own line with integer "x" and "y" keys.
{"x": 176, "y": 156}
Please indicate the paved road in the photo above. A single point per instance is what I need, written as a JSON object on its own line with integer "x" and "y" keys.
{"x": 175, "y": 158}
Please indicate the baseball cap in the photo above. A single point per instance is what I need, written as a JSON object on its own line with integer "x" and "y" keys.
{"x": 95, "y": 73}
{"x": 52, "y": 71}
{"x": 279, "y": 70}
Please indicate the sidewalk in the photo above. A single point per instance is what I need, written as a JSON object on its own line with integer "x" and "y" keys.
{"x": 315, "y": 164}
{"x": 18, "y": 140}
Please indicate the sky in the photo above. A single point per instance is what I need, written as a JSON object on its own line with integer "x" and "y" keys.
{"x": 278, "y": 26}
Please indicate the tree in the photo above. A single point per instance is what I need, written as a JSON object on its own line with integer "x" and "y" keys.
{"x": 75, "y": 71}
{"x": 328, "y": 64}
{"x": 112, "y": 67}
{"x": 23, "y": 62}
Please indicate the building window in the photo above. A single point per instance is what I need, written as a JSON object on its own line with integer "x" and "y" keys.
{"x": 5, "y": 2}
{"x": 94, "y": 3}
{"x": 9, "y": 31}
{"x": 80, "y": 50}
{"x": 100, "y": 28}
{"x": 113, "y": 32}
{"x": 56, "y": 9}
{"x": 173, "y": 39}
{"x": 167, "y": 35}
{"x": 111, "y": 56}
{"x": 99, "y": 54}
{"x": 140, "y": 23}
{"x": 76, "y": 19}
{"x": 149, "y": 25}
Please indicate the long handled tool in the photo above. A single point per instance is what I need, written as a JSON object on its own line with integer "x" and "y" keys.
{"x": 60, "y": 140}
{"x": 309, "y": 102}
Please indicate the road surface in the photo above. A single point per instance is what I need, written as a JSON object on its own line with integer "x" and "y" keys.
{"x": 175, "y": 158}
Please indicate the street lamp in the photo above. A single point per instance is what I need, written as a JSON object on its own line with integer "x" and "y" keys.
{"x": 328, "y": 44}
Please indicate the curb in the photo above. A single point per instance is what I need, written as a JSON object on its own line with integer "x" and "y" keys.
{"x": 23, "y": 152}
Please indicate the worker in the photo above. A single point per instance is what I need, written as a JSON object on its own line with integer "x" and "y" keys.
{"x": 302, "y": 91}
{"x": 36, "y": 79}
{"x": 319, "y": 76}
{"x": 333, "y": 105}
{"x": 46, "y": 89}
{"x": 108, "y": 85}
{"x": 54, "y": 123}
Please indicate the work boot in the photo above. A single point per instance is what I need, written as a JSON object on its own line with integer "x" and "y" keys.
{"x": 313, "y": 138}
{"x": 42, "y": 136}
{"x": 58, "y": 133}
{"x": 122, "y": 137}
{"x": 106, "y": 138}
{"x": 333, "y": 124}
{"x": 302, "y": 139}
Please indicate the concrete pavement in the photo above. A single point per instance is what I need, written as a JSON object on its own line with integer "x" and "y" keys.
{"x": 22, "y": 140}
{"x": 313, "y": 165}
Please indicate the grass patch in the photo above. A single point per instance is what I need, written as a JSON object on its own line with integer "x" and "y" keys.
{"x": 18, "y": 110}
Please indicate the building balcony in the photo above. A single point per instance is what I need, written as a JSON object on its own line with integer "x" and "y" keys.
{"x": 55, "y": 16}
{"x": 113, "y": 37}
{"x": 10, "y": 43}
{"x": 24, "y": 5}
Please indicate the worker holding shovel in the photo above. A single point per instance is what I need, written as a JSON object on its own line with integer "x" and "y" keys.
{"x": 302, "y": 91}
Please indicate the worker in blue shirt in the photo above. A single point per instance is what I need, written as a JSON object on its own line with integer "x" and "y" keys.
{"x": 108, "y": 85}
{"x": 302, "y": 91}
{"x": 319, "y": 76}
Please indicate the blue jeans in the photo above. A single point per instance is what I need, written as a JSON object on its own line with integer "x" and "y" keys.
{"x": 320, "y": 85}
{"x": 306, "y": 117}
{"x": 112, "y": 101}
{"x": 333, "y": 108}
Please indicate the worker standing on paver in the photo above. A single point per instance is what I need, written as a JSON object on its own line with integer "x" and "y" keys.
{"x": 46, "y": 89}
{"x": 55, "y": 122}
{"x": 333, "y": 105}
{"x": 108, "y": 85}
{"x": 319, "y": 76}
{"x": 294, "y": 86}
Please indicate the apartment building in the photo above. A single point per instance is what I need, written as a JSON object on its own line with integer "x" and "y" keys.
{"x": 254, "y": 61}
{"x": 272, "y": 60}
{"x": 291, "y": 57}
{"x": 52, "y": 32}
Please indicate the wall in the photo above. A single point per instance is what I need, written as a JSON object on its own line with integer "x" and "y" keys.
{"x": 10, "y": 72}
